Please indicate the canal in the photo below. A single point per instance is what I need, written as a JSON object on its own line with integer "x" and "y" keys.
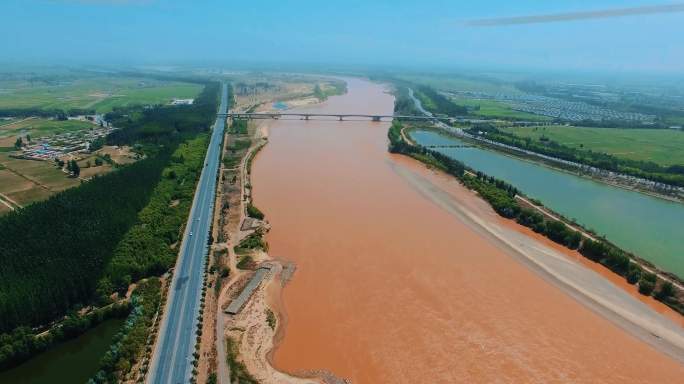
{"x": 646, "y": 226}
{"x": 74, "y": 361}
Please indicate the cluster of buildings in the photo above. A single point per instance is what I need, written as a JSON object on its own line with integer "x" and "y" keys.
{"x": 182, "y": 101}
{"x": 561, "y": 109}
{"x": 58, "y": 145}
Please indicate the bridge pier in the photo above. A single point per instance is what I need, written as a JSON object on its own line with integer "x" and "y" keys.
{"x": 340, "y": 118}
{"x": 306, "y": 117}
{"x": 376, "y": 118}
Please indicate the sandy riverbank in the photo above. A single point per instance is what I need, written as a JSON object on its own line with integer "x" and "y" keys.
{"x": 575, "y": 278}
{"x": 254, "y": 336}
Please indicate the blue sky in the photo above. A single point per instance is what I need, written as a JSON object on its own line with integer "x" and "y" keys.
{"x": 398, "y": 33}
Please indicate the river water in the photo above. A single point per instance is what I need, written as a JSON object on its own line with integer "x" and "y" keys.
{"x": 647, "y": 226}
{"x": 74, "y": 361}
{"x": 390, "y": 288}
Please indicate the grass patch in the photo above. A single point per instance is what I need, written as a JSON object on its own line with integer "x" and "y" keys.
{"x": 270, "y": 318}
{"x": 239, "y": 144}
{"x": 44, "y": 127}
{"x": 496, "y": 110}
{"x": 231, "y": 161}
{"x": 238, "y": 127}
{"x": 43, "y": 172}
{"x": 238, "y": 371}
{"x": 245, "y": 262}
{"x": 661, "y": 146}
{"x": 92, "y": 92}
{"x": 255, "y": 241}
{"x": 450, "y": 82}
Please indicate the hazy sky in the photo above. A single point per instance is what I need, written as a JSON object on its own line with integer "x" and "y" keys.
{"x": 428, "y": 33}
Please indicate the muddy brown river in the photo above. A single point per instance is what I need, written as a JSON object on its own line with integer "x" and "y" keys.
{"x": 390, "y": 288}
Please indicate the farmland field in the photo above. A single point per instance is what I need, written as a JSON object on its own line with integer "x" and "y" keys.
{"x": 661, "y": 146}
{"x": 101, "y": 93}
{"x": 459, "y": 83}
{"x": 38, "y": 127}
{"x": 495, "y": 109}
{"x": 27, "y": 181}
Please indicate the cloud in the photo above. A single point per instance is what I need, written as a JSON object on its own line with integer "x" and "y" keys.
{"x": 570, "y": 16}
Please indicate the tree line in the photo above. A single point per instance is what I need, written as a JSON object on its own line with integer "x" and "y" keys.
{"x": 164, "y": 123}
{"x": 147, "y": 248}
{"x": 21, "y": 344}
{"x": 53, "y": 252}
{"x": 438, "y": 103}
{"x": 403, "y": 104}
{"x": 129, "y": 342}
{"x": 673, "y": 175}
{"x": 60, "y": 114}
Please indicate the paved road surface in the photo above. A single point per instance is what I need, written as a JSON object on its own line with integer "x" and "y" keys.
{"x": 171, "y": 362}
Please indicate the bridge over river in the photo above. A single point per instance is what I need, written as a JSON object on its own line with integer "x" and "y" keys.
{"x": 357, "y": 116}
{"x": 340, "y": 117}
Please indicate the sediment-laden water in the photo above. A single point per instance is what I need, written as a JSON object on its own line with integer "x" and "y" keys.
{"x": 390, "y": 288}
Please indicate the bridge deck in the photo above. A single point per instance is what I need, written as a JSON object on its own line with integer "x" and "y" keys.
{"x": 340, "y": 116}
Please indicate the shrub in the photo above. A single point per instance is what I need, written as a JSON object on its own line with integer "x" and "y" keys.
{"x": 254, "y": 212}
{"x": 245, "y": 262}
{"x": 253, "y": 241}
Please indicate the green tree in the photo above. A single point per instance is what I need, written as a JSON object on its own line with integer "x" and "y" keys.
{"x": 75, "y": 169}
{"x": 647, "y": 283}
{"x": 634, "y": 274}
{"x": 254, "y": 212}
{"x": 212, "y": 378}
{"x": 19, "y": 143}
{"x": 666, "y": 291}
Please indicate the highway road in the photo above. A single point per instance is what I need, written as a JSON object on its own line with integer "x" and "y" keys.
{"x": 172, "y": 358}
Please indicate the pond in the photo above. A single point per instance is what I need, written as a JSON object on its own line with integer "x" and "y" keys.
{"x": 74, "y": 361}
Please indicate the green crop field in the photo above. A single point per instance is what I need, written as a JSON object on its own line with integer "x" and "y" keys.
{"x": 26, "y": 181}
{"x": 37, "y": 128}
{"x": 496, "y": 109}
{"x": 101, "y": 93}
{"x": 661, "y": 146}
{"x": 460, "y": 83}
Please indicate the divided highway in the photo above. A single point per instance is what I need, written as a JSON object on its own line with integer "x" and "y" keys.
{"x": 172, "y": 358}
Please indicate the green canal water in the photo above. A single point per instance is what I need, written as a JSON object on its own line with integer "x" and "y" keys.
{"x": 72, "y": 362}
{"x": 649, "y": 227}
